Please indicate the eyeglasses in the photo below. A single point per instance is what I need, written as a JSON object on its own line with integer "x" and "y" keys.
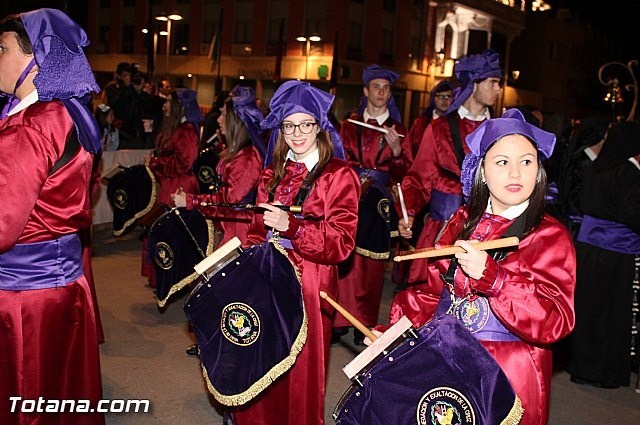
{"x": 444, "y": 96}
{"x": 305, "y": 127}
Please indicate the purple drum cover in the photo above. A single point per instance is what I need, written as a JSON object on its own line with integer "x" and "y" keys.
{"x": 445, "y": 376}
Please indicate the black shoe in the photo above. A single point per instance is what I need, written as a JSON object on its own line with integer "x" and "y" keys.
{"x": 358, "y": 337}
{"x": 192, "y": 350}
{"x": 337, "y": 333}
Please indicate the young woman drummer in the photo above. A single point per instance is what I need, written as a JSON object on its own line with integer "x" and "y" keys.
{"x": 515, "y": 302}
{"x": 238, "y": 170}
{"x": 306, "y": 167}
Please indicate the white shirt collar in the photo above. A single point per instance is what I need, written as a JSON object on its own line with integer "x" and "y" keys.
{"x": 380, "y": 118}
{"x": 309, "y": 161}
{"x": 465, "y": 113}
{"x": 26, "y": 101}
{"x": 590, "y": 153}
{"x": 634, "y": 162}
{"x": 511, "y": 212}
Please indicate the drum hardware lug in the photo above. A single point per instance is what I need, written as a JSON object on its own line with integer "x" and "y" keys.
{"x": 356, "y": 379}
{"x": 412, "y": 333}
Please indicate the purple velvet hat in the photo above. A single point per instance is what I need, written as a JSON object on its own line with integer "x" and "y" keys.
{"x": 63, "y": 70}
{"x": 482, "y": 138}
{"x": 244, "y": 105}
{"x": 373, "y": 72}
{"x": 192, "y": 113}
{"x": 298, "y": 96}
{"x": 471, "y": 69}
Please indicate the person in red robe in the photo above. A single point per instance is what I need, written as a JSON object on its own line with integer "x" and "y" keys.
{"x": 47, "y": 138}
{"x": 176, "y": 152}
{"x": 304, "y": 142}
{"x": 441, "y": 97}
{"x": 516, "y": 302}
{"x": 239, "y": 168}
{"x": 384, "y": 158}
{"x": 434, "y": 176}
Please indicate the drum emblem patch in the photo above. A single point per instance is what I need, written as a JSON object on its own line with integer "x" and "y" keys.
{"x": 205, "y": 174}
{"x": 240, "y": 324}
{"x": 164, "y": 256}
{"x": 474, "y": 314}
{"x": 445, "y": 406}
{"x": 384, "y": 209}
{"x": 120, "y": 199}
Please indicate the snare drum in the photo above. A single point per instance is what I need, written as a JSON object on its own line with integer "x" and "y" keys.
{"x": 132, "y": 193}
{"x": 173, "y": 251}
{"x": 442, "y": 376}
{"x": 249, "y": 321}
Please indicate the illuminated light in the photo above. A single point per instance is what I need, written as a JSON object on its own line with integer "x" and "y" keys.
{"x": 241, "y": 77}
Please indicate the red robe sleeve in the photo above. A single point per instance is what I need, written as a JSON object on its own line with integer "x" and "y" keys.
{"x": 416, "y": 185}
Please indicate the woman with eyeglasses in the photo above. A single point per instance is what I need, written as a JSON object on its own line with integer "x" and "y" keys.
{"x": 306, "y": 168}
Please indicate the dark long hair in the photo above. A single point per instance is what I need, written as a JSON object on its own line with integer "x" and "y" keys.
{"x": 237, "y": 134}
{"x": 171, "y": 123}
{"x": 325, "y": 150}
{"x": 480, "y": 196}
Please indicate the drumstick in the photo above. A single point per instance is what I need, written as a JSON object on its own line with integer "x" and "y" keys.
{"x": 193, "y": 239}
{"x": 405, "y": 216}
{"x": 372, "y": 127}
{"x": 296, "y": 209}
{"x": 451, "y": 249}
{"x": 355, "y": 322}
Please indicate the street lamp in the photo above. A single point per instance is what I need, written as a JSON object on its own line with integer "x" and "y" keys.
{"x": 308, "y": 41}
{"x": 168, "y": 19}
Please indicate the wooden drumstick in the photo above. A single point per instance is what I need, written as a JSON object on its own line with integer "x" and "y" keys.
{"x": 355, "y": 322}
{"x": 451, "y": 249}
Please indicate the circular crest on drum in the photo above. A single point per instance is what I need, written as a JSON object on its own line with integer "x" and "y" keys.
{"x": 473, "y": 313}
{"x": 206, "y": 174}
{"x": 164, "y": 256}
{"x": 444, "y": 405}
{"x": 240, "y": 324}
{"x": 120, "y": 199}
{"x": 384, "y": 209}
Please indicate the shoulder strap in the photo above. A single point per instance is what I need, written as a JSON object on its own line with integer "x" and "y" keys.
{"x": 455, "y": 136}
{"x": 307, "y": 184}
{"x": 70, "y": 149}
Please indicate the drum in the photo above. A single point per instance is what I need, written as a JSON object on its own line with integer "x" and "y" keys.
{"x": 205, "y": 169}
{"x": 178, "y": 240}
{"x": 132, "y": 193}
{"x": 442, "y": 376}
{"x": 249, "y": 321}
{"x": 377, "y": 222}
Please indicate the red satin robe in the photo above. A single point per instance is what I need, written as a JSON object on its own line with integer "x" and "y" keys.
{"x": 173, "y": 167}
{"x": 535, "y": 302}
{"x": 434, "y": 168}
{"x": 297, "y": 397}
{"x": 48, "y": 336}
{"x": 362, "y": 277}
{"x": 240, "y": 176}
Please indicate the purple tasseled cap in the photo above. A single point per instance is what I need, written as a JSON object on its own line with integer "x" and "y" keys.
{"x": 373, "y": 72}
{"x": 471, "y": 69}
{"x": 244, "y": 105}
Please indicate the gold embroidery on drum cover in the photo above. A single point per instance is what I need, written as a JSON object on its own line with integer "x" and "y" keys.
{"x": 240, "y": 324}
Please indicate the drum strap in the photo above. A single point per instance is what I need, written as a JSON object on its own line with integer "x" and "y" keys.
{"x": 388, "y": 123}
{"x": 70, "y": 149}
{"x": 455, "y": 137}
{"x": 306, "y": 186}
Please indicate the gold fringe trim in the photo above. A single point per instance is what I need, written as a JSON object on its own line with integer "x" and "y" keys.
{"x": 193, "y": 276}
{"x": 515, "y": 414}
{"x": 152, "y": 202}
{"x": 371, "y": 254}
{"x": 394, "y": 233}
{"x": 277, "y": 370}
